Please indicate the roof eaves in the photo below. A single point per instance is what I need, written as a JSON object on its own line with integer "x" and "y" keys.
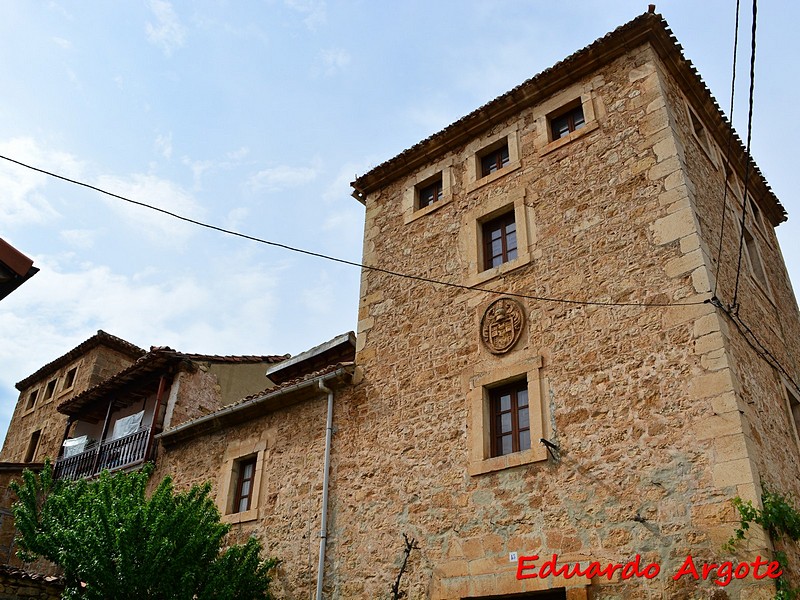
{"x": 227, "y": 415}
{"x": 646, "y": 28}
{"x": 100, "y": 338}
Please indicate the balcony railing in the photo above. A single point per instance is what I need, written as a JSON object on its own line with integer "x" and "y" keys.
{"x": 113, "y": 454}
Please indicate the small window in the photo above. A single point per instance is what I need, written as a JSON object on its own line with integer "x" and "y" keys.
{"x": 69, "y": 380}
{"x": 510, "y": 413}
{"x": 33, "y": 445}
{"x": 244, "y": 485}
{"x": 755, "y": 211}
{"x": 32, "y": 400}
{"x": 794, "y": 408}
{"x": 50, "y": 389}
{"x": 567, "y": 122}
{"x": 429, "y": 193}
{"x": 755, "y": 258}
{"x": 499, "y": 240}
{"x": 494, "y": 160}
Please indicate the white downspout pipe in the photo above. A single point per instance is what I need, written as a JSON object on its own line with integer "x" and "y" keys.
{"x": 323, "y": 530}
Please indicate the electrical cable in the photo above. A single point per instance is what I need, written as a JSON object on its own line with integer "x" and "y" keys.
{"x": 734, "y": 305}
{"x": 349, "y": 262}
{"x": 728, "y": 150}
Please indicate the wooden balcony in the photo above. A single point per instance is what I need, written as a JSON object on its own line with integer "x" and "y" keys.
{"x": 115, "y": 454}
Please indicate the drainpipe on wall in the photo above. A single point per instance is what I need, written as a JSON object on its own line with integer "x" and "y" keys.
{"x": 323, "y": 530}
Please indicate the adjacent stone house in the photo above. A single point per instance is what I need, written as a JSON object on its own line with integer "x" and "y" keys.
{"x": 582, "y": 367}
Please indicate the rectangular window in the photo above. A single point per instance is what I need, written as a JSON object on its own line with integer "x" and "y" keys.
{"x": 499, "y": 240}
{"x": 430, "y": 193}
{"x": 69, "y": 380}
{"x": 33, "y": 445}
{"x": 50, "y": 389}
{"x": 244, "y": 485}
{"x": 755, "y": 258}
{"x": 494, "y": 160}
{"x": 510, "y": 413}
{"x": 794, "y": 407}
{"x": 567, "y": 122}
{"x": 31, "y": 400}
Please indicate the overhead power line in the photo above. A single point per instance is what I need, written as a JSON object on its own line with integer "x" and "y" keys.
{"x": 475, "y": 288}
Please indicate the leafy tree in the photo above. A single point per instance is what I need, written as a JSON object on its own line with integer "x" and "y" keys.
{"x": 112, "y": 541}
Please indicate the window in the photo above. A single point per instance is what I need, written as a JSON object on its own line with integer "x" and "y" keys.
{"x": 33, "y": 445}
{"x": 510, "y": 426}
{"x": 430, "y": 193}
{"x": 50, "y": 389}
{"x": 755, "y": 258}
{"x": 494, "y": 160}
{"x": 507, "y": 415}
{"x": 31, "y": 400}
{"x": 499, "y": 240}
{"x": 244, "y": 485}
{"x": 567, "y": 122}
{"x": 794, "y": 408}
{"x": 69, "y": 380}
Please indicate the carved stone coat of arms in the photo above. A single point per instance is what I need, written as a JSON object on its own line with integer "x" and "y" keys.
{"x": 501, "y": 325}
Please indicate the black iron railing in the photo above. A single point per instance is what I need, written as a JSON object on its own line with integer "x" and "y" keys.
{"x": 113, "y": 454}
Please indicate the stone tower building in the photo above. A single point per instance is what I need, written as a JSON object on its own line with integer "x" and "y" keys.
{"x": 598, "y": 379}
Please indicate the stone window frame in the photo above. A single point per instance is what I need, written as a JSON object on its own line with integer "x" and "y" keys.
{"x": 701, "y": 135}
{"x": 479, "y": 148}
{"x": 31, "y": 397}
{"x": 792, "y": 402}
{"x": 471, "y": 235}
{"x": 752, "y": 249}
{"x": 423, "y": 178}
{"x": 235, "y": 455}
{"x": 481, "y": 460}
{"x": 50, "y": 390}
{"x": 68, "y": 384}
{"x": 33, "y": 446}
{"x": 565, "y": 100}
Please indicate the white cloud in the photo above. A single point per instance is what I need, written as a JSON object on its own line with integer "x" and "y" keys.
{"x": 334, "y": 60}
{"x": 163, "y": 145}
{"x": 237, "y": 155}
{"x": 23, "y": 197}
{"x": 236, "y": 217}
{"x": 167, "y": 32}
{"x": 65, "y": 44}
{"x": 78, "y": 238}
{"x": 153, "y": 191}
{"x": 315, "y": 11}
{"x": 280, "y": 178}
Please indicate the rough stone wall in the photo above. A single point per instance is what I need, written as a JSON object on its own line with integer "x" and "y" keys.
{"x": 15, "y": 583}
{"x": 637, "y": 398}
{"x": 97, "y": 364}
{"x": 289, "y": 496}
{"x": 769, "y": 311}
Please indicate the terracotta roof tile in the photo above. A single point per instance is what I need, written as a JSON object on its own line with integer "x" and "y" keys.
{"x": 100, "y": 338}
{"x": 648, "y": 27}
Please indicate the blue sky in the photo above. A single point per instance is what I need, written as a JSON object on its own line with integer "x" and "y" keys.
{"x": 256, "y": 116}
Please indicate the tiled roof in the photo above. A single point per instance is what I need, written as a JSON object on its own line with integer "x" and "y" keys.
{"x": 100, "y": 338}
{"x": 286, "y": 393}
{"x": 647, "y": 28}
{"x": 289, "y": 383}
{"x": 157, "y": 359}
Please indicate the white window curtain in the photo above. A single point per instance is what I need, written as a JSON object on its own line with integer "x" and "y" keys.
{"x": 127, "y": 425}
{"x": 74, "y": 446}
